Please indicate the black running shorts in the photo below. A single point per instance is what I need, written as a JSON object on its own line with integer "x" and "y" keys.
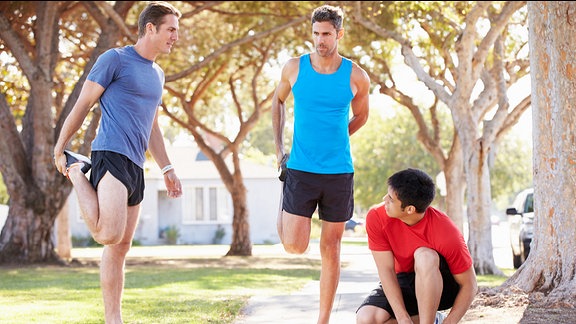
{"x": 408, "y": 286}
{"x": 332, "y": 194}
{"x": 121, "y": 168}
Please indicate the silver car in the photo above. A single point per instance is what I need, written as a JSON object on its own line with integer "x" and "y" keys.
{"x": 521, "y": 221}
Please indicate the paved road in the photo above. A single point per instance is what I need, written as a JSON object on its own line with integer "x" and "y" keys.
{"x": 357, "y": 279}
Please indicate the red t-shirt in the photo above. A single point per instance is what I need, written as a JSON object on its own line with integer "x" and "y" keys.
{"x": 436, "y": 231}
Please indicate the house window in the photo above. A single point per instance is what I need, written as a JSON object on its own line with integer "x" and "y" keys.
{"x": 206, "y": 205}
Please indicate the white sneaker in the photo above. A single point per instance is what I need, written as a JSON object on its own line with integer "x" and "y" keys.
{"x": 439, "y": 318}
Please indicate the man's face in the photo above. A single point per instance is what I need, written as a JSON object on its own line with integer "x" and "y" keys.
{"x": 325, "y": 38}
{"x": 166, "y": 34}
{"x": 393, "y": 205}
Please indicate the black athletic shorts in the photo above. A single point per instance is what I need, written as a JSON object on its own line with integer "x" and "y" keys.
{"x": 332, "y": 194}
{"x": 408, "y": 286}
{"x": 126, "y": 171}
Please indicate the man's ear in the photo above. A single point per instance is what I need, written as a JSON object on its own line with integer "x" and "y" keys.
{"x": 150, "y": 27}
{"x": 340, "y": 33}
{"x": 410, "y": 209}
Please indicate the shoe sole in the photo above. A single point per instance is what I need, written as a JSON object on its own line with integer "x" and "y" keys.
{"x": 72, "y": 158}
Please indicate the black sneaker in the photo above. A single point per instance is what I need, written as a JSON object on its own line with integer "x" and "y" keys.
{"x": 72, "y": 158}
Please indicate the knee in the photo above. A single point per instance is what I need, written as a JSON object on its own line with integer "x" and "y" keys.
{"x": 363, "y": 318}
{"x": 368, "y": 314}
{"x": 295, "y": 248}
{"x": 426, "y": 259}
{"x": 106, "y": 238}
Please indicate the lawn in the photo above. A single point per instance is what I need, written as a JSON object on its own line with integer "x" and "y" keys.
{"x": 185, "y": 284}
{"x": 169, "y": 284}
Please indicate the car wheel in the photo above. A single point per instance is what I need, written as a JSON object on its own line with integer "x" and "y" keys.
{"x": 525, "y": 250}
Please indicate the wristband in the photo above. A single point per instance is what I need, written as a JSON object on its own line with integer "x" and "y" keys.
{"x": 167, "y": 168}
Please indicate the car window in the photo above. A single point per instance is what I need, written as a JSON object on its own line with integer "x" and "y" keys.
{"x": 529, "y": 206}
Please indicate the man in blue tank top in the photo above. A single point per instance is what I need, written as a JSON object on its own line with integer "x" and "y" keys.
{"x": 128, "y": 85}
{"x": 319, "y": 172}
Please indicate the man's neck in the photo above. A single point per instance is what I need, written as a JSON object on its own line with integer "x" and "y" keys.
{"x": 327, "y": 64}
{"x": 143, "y": 50}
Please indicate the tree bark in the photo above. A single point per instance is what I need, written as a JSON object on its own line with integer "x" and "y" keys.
{"x": 551, "y": 266}
{"x": 241, "y": 244}
{"x": 63, "y": 233}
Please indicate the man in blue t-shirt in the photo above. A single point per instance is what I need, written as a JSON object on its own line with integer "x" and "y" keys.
{"x": 319, "y": 172}
{"x": 128, "y": 85}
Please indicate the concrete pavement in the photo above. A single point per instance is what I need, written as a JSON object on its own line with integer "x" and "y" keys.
{"x": 358, "y": 277}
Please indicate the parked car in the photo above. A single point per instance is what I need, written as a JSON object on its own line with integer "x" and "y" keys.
{"x": 352, "y": 223}
{"x": 521, "y": 222}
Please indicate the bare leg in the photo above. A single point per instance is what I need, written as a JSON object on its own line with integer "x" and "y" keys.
{"x": 330, "y": 241}
{"x": 104, "y": 212}
{"x": 294, "y": 231}
{"x": 429, "y": 283}
{"x": 87, "y": 197}
{"x": 280, "y": 212}
{"x": 112, "y": 270}
{"x": 375, "y": 315}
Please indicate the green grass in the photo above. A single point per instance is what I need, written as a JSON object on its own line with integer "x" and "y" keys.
{"x": 185, "y": 291}
{"x": 179, "y": 289}
{"x": 492, "y": 280}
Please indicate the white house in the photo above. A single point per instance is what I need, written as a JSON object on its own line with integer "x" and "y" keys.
{"x": 205, "y": 209}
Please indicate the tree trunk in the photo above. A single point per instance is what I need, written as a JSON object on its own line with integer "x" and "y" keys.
{"x": 241, "y": 243}
{"x": 27, "y": 239}
{"x": 63, "y": 235}
{"x": 478, "y": 211}
{"x": 551, "y": 265}
{"x": 455, "y": 187}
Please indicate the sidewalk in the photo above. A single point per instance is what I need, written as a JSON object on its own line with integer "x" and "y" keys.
{"x": 357, "y": 278}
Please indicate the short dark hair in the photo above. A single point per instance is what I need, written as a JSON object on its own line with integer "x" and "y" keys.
{"x": 154, "y": 13}
{"x": 328, "y": 13}
{"x": 413, "y": 187}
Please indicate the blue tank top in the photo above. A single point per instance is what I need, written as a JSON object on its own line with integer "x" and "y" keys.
{"x": 321, "y": 143}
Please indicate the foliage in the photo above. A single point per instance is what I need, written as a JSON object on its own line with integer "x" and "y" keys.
{"x": 218, "y": 235}
{"x": 512, "y": 171}
{"x": 220, "y": 76}
{"x": 171, "y": 234}
{"x": 382, "y": 147}
{"x": 84, "y": 241}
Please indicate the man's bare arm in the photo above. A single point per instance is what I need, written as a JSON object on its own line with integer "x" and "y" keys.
{"x": 360, "y": 103}
{"x": 282, "y": 92}
{"x": 468, "y": 290}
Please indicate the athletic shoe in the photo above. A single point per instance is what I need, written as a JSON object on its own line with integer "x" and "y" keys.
{"x": 439, "y": 318}
{"x": 72, "y": 158}
{"x": 282, "y": 175}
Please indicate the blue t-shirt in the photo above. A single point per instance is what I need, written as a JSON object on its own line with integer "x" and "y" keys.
{"x": 133, "y": 93}
{"x": 321, "y": 141}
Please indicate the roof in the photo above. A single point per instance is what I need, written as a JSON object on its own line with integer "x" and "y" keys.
{"x": 191, "y": 163}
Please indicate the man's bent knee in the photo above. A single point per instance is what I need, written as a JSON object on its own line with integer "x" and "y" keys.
{"x": 105, "y": 238}
{"x": 369, "y": 314}
{"x": 295, "y": 248}
{"x": 426, "y": 258}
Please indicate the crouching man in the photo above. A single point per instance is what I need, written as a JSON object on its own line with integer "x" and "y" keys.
{"x": 422, "y": 259}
